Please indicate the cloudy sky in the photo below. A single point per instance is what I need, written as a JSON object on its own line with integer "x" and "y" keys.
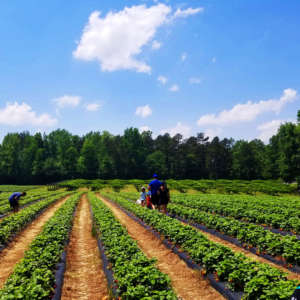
{"x": 226, "y": 68}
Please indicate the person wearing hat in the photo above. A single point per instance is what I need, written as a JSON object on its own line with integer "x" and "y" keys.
{"x": 154, "y": 186}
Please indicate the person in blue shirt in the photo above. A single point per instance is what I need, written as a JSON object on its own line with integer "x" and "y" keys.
{"x": 14, "y": 200}
{"x": 155, "y": 190}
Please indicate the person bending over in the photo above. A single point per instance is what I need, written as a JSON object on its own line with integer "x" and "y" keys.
{"x": 14, "y": 200}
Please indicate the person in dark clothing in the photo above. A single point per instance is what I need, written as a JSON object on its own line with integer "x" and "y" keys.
{"x": 296, "y": 295}
{"x": 14, "y": 200}
{"x": 164, "y": 197}
{"x": 155, "y": 190}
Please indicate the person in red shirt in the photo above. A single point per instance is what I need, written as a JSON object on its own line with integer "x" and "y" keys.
{"x": 148, "y": 199}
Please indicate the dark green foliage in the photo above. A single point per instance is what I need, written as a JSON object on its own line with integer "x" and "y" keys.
{"x": 27, "y": 159}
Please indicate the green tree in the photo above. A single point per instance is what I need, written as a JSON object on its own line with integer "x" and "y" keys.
{"x": 88, "y": 162}
{"x": 156, "y": 163}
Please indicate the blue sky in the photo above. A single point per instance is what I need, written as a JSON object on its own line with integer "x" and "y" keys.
{"x": 226, "y": 68}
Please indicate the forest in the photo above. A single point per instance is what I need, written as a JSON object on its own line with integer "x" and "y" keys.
{"x": 60, "y": 155}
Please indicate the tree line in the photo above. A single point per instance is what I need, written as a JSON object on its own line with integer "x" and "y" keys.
{"x": 36, "y": 159}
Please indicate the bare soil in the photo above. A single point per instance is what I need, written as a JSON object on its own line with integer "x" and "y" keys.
{"x": 186, "y": 282}
{"x": 84, "y": 276}
{"x": 211, "y": 237}
{"x": 11, "y": 255}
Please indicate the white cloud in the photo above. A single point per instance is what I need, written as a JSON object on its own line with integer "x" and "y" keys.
{"x": 144, "y": 128}
{"x": 267, "y": 130}
{"x": 116, "y": 39}
{"x": 162, "y": 79}
{"x": 249, "y": 111}
{"x": 92, "y": 107}
{"x": 174, "y": 88}
{"x": 67, "y": 101}
{"x": 143, "y": 111}
{"x": 15, "y": 114}
{"x": 156, "y": 45}
{"x": 187, "y": 12}
{"x": 183, "y": 56}
{"x": 195, "y": 80}
{"x": 212, "y": 132}
{"x": 214, "y": 60}
{"x": 179, "y": 128}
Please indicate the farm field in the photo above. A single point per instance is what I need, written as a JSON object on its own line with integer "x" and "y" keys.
{"x": 84, "y": 244}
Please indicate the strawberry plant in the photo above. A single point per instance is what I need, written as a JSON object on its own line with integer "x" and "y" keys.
{"x": 208, "y": 254}
{"x": 33, "y": 278}
{"x": 136, "y": 276}
{"x": 16, "y": 222}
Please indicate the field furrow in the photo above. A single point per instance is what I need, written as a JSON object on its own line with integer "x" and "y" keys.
{"x": 11, "y": 255}
{"x": 187, "y": 283}
{"x": 84, "y": 277}
{"x": 213, "y": 238}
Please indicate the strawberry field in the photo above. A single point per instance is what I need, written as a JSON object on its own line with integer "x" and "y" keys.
{"x": 83, "y": 244}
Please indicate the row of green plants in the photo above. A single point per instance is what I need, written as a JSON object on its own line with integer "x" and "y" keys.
{"x": 267, "y": 242}
{"x": 272, "y": 187}
{"x": 14, "y": 223}
{"x": 17, "y": 188}
{"x": 136, "y": 276}
{"x": 279, "y": 218}
{"x": 254, "y": 279}
{"x": 287, "y": 248}
{"x": 5, "y": 207}
{"x": 4, "y": 196}
{"x": 287, "y": 204}
{"x": 267, "y": 204}
{"x": 34, "y": 278}
{"x": 31, "y": 193}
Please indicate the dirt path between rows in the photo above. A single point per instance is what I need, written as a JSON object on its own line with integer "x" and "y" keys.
{"x": 11, "y": 255}
{"x": 211, "y": 237}
{"x": 84, "y": 276}
{"x": 187, "y": 283}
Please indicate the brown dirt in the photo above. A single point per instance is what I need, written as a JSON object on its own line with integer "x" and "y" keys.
{"x": 11, "y": 255}
{"x": 187, "y": 283}
{"x": 84, "y": 277}
{"x": 211, "y": 237}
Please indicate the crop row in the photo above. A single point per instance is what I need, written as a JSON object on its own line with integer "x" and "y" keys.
{"x": 33, "y": 278}
{"x": 286, "y": 205}
{"x": 16, "y": 222}
{"x": 31, "y": 193}
{"x": 287, "y": 247}
{"x": 13, "y": 188}
{"x": 135, "y": 275}
{"x": 253, "y": 235}
{"x": 256, "y": 280}
{"x": 243, "y": 203}
{"x": 288, "y": 221}
{"x": 264, "y": 201}
{"x": 271, "y": 187}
